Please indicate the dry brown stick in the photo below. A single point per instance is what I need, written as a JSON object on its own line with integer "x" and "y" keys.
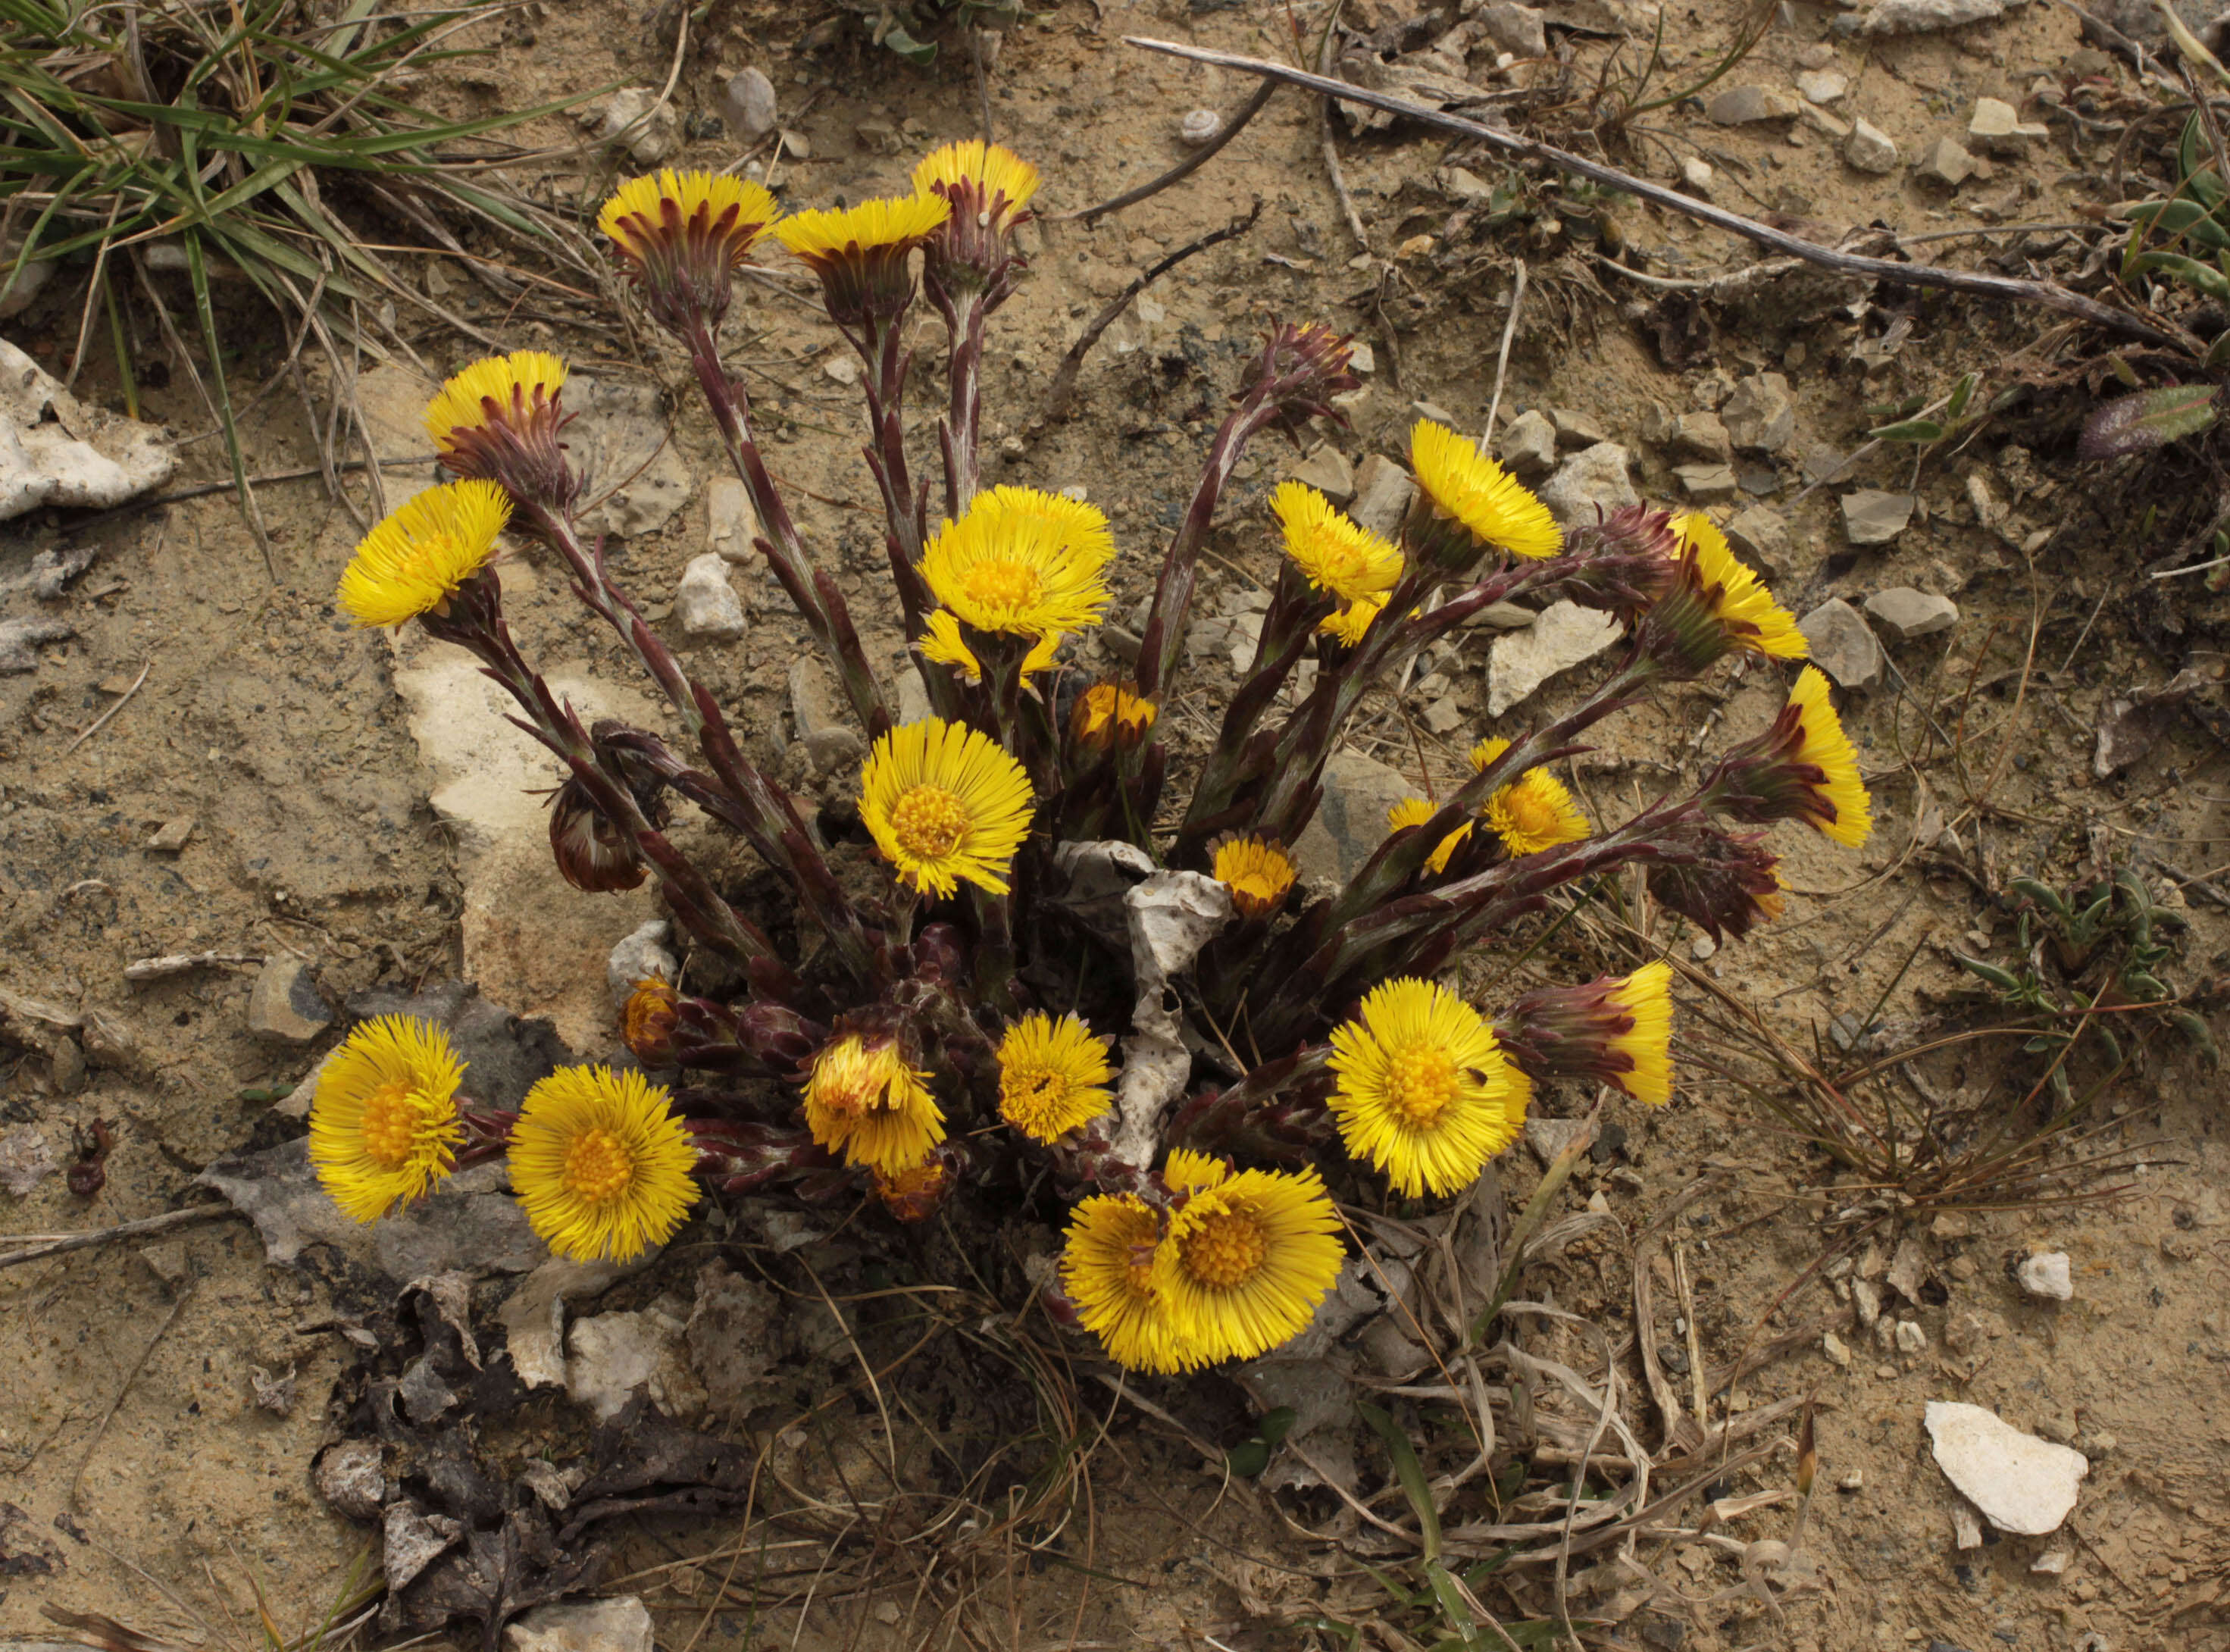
{"x": 1185, "y": 168}
{"x": 1329, "y": 142}
{"x": 102, "y": 721}
{"x": 1063, "y": 380}
{"x": 139, "y": 1229}
{"x": 2047, "y": 293}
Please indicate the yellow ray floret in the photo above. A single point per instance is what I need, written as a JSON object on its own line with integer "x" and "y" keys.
{"x": 601, "y": 1164}
{"x": 1464, "y": 483}
{"x": 1245, "y": 1262}
{"x": 1257, "y": 871}
{"x": 1021, "y": 561}
{"x": 1754, "y": 620}
{"x": 942, "y": 643}
{"x": 1347, "y": 625}
{"x": 384, "y": 1126}
{"x": 1186, "y": 1170}
{"x": 864, "y": 1101}
{"x": 944, "y": 801}
{"x": 635, "y": 213}
{"x": 1107, "y": 1268}
{"x": 1416, "y": 811}
{"x": 1647, "y": 994}
{"x": 1111, "y": 713}
{"x": 996, "y": 169}
{"x": 462, "y": 402}
{"x": 1424, "y": 1091}
{"x": 1337, "y": 555}
{"x": 1826, "y": 748}
{"x": 888, "y": 224}
{"x": 1052, "y": 1076}
{"x": 412, "y": 561}
{"x": 1533, "y": 812}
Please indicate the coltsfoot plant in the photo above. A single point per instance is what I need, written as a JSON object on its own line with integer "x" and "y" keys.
{"x": 1046, "y": 984}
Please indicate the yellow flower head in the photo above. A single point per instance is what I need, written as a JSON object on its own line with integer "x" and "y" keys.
{"x": 944, "y": 801}
{"x": 1052, "y": 1076}
{"x": 1023, "y": 561}
{"x": 832, "y": 234}
{"x": 993, "y": 180}
{"x": 384, "y": 1126}
{"x": 415, "y": 560}
{"x": 859, "y": 253}
{"x": 1753, "y": 620}
{"x": 942, "y": 643}
{"x": 1107, "y": 1268}
{"x": 1423, "y": 1092}
{"x": 682, "y": 235}
{"x": 601, "y": 1164}
{"x": 1840, "y": 808}
{"x": 646, "y": 217}
{"x": 1533, "y": 812}
{"x": 915, "y": 1195}
{"x": 1416, "y": 811}
{"x": 1464, "y": 484}
{"x": 1246, "y": 1259}
{"x": 1616, "y": 1030}
{"x": 1646, "y": 998}
{"x": 1346, "y": 626}
{"x": 648, "y": 1019}
{"x": 1110, "y": 714}
{"x": 1337, "y": 555}
{"x": 865, "y": 1101}
{"x": 1258, "y": 872}
{"x": 496, "y": 388}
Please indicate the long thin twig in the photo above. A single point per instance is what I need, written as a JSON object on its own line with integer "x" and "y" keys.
{"x": 1502, "y": 358}
{"x": 1329, "y": 142}
{"x": 1063, "y": 380}
{"x": 1185, "y": 168}
{"x": 2047, "y": 293}
{"x": 139, "y": 1229}
{"x": 102, "y": 721}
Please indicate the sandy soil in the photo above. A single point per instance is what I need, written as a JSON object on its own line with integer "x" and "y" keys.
{"x": 138, "y": 1476}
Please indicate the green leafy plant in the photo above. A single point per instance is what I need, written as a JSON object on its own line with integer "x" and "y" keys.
{"x": 2093, "y": 950}
{"x": 218, "y": 139}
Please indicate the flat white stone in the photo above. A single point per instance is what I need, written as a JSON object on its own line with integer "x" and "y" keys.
{"x": 1564, "y": 636}
{"x": 2047, "y": 1275}
{"x": 2022, "y": 1484}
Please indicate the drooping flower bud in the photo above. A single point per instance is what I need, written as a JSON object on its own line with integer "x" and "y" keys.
{"x": 593, "y": 854}
{"x": 1617, "y": 1029}
{"x": 648, "y": 1022}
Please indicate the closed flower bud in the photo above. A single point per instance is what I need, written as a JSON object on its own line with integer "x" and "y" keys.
{"x": 649, "y": 1020}
{"x": 592, "y": 853}
{"x": 918, "y": 1193}
{"x": 1300, "y": 370}
{"x": 1724, "y": 885}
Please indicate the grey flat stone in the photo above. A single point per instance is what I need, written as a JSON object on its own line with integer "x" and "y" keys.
{"x": 1841, "y": 645}
{"x": 284, "y": 1003}
{"x": 1351, "y": 822}
{"x": 1566, "y": 634}
{"x": 1873, "y": 517}
{"x": 1869, "y": 149}
{"x": 1905, "y": 613}
{"x": 706, "y": 605}
{"x": 1383, "y": 492}
{"x": 1739, "y": 106}
{"x": 1528, "y": 445}
{"x": 1590, "y": 485}
{"x": 2022, "y": 1484}
{"x": 1760, "y": 417}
